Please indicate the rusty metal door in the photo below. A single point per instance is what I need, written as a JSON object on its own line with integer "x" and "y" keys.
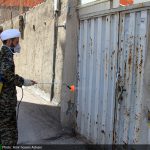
{"x": 111, "y": 59}
{"x": 129, "y": 86}
{"x": 98, "y": 45}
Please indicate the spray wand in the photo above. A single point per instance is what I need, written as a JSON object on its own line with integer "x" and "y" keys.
{"x": 70, "y": 87}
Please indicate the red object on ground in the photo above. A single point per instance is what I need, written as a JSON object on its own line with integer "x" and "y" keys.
{"x": 72, "y": 88}
{"x": 24, "y": 3}
{"x": 126, "y": 2}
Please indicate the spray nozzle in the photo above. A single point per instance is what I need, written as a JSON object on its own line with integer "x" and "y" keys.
{"x": 71, "y": 88}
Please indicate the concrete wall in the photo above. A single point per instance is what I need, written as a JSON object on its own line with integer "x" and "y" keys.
{"x": 68, "y": 108}
{"x": 6, "y": 13}
{"x": 37, "y": 46}
{"x": 61, "y": 45}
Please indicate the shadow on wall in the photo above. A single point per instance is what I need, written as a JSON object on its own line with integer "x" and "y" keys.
{"x": 63, "y": 46}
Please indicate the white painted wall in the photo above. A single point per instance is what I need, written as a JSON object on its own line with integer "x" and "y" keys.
{"x": 140, "y": 1}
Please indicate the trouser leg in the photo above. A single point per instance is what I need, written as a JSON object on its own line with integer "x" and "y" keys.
{"x": 8, "y": 127}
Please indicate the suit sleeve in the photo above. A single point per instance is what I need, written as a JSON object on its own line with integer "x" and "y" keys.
{"x": 7, "y": 71}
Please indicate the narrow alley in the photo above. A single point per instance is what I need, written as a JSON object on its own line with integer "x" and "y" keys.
{"x": 39, "y": 122}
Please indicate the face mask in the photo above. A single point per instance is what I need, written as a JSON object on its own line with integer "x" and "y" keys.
{"x": 17, "y": 48}
{"x": 12, "y": 45}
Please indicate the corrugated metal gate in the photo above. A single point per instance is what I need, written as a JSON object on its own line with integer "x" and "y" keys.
{"x": 111, "y": 59}
{"x": 131, "y": 58}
